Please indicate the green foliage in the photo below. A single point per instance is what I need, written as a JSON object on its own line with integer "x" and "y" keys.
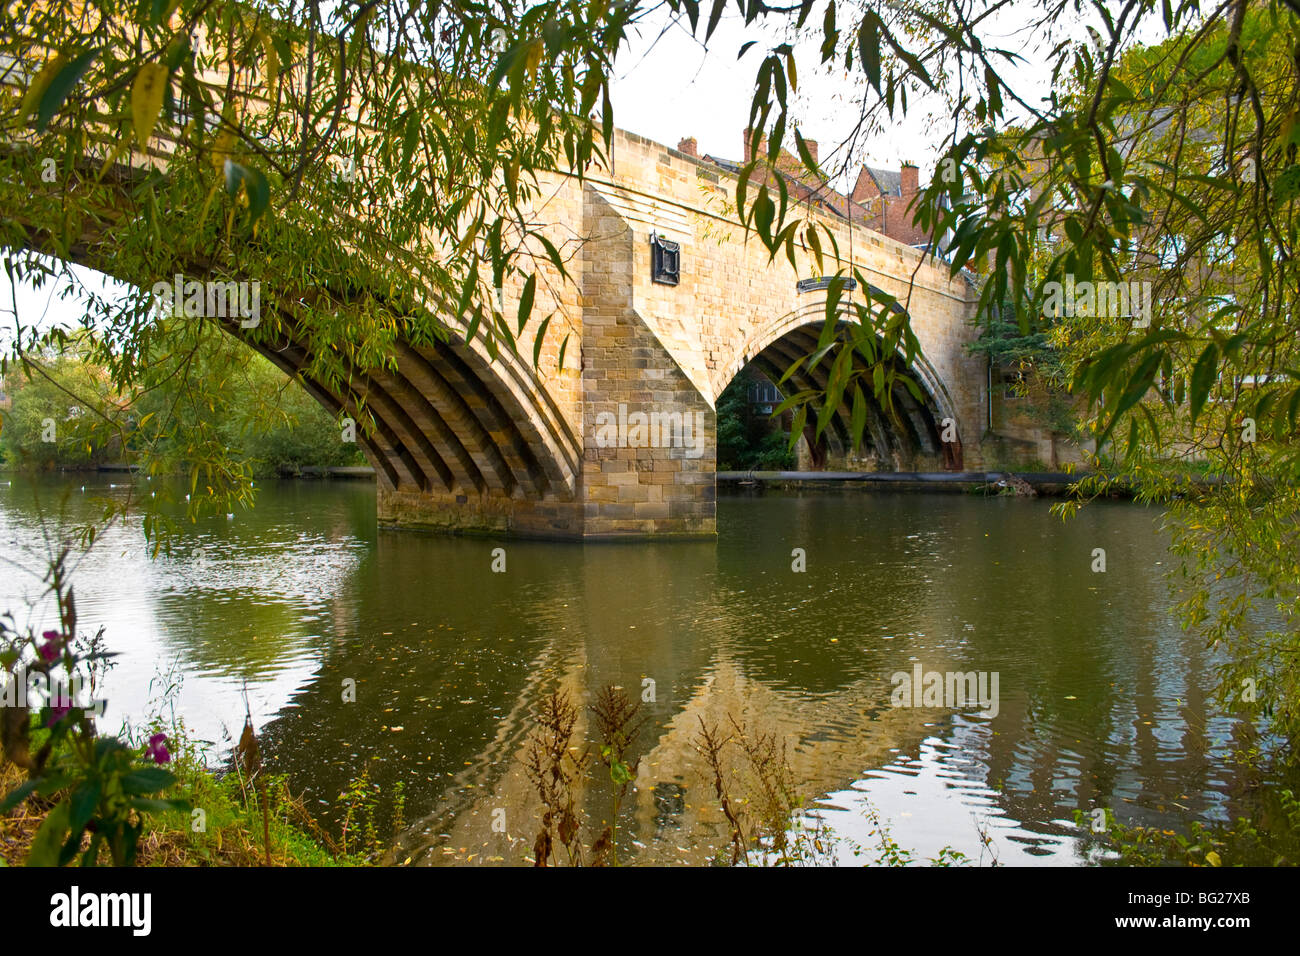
{"x": 1009, "y": 346}
{"x": 103, "y": 798}
{"x": 216, "y": 397}
{"x": 1273, "y": 841}
{"x": 1040, "y": 373}
{"x": 232, "y": 829}
{"x": 360, "y": 802}
{"x": 103, "y": 787}
{"x": 618, "y": 724}
{"x": 56, "y": 419}
{"x": 868, "y": 345}
{"x": 1210, "y": 386}
{"x": 301, "y": 434}
{"x": 400, "y": 226}
{"x": 748, "y": 441}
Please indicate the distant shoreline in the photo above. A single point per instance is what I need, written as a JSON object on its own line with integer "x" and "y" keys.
{"x": 1047, "y": 484}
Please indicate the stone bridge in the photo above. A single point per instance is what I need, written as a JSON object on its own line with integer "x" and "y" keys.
{"x": 622, "y": 439}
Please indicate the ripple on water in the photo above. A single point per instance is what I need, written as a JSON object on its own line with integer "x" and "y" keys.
{"x": 932, "y": 802}
{"x": 1102, "y": 698}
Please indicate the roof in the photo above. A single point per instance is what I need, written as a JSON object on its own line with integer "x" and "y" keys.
{"x": 888, "y": 181}
{"x": 729, "y": 165}
{"x": 822, "y": 196}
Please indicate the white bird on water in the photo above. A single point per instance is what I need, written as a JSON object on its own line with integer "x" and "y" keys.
{"x": 230, "y": 516}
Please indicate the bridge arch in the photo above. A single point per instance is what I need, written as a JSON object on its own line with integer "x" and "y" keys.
{"x": 910, "y": 439}
{"x": 464, "y": 438}
{"x": 446, "y": 417}
{"x": 440, "y": 417}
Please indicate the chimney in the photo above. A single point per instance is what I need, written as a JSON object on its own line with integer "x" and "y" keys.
{"x": 908, "y": 180}
{"x": 812, "y": 148}
{"x": 689, "y": 147}
{"x": 762, "y": 145}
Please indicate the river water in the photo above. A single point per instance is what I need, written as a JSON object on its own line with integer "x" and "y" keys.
{"x": 1101, "y": 699}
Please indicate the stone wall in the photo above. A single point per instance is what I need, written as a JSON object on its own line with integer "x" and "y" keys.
{"x": 641, "y": 348}
{"x": 649, "y": 434}
{"x": 733, "y": 299}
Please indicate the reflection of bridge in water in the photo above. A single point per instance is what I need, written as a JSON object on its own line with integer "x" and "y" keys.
{"x": 1103, "y": 699}
{"x": 671, "y": 813}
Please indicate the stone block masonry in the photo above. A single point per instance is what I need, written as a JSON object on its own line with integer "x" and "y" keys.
{"x": 620, "y": 441}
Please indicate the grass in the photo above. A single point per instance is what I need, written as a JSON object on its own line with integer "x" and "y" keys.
{"x": 231, "y": 831}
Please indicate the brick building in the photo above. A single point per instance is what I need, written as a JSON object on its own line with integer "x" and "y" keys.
{"x": 880, "y": 200}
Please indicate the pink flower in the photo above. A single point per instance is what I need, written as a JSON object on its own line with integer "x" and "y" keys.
{"x": 52, "y": 647}
{"x": 57, "y": 713}
{"x": 157, "y": 749}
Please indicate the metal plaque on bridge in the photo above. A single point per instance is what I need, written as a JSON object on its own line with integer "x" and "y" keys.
{"x": 812, "y": 285}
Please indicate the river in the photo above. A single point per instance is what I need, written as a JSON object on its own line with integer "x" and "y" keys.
{"x": 1101, "y": 699}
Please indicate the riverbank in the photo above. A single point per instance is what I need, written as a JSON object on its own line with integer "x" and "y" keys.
{"x": 362, "y": 472}
{"x": 1043, "y": 483}
{"x": 229, "y": 831}
{"x": 1046, "y": 484}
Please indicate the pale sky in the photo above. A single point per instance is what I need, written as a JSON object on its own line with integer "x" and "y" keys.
{"x": 667, "y": 88}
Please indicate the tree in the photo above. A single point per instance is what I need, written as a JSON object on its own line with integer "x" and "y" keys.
{"x": 212, "y": 399}
{"x": 367, "y": 133}
{"x": 55, "y": 420}
{"x": 746, "y": 440}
